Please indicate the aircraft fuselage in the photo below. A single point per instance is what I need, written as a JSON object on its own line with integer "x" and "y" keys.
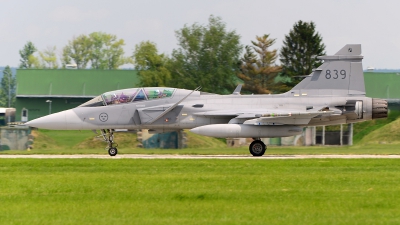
{"x": 137, "y": 115}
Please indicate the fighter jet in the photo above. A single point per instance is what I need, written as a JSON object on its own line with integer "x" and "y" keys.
{"x": 333, "y": 93}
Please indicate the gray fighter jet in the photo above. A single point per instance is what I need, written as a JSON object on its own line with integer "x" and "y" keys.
{"x": 333, "y": 93}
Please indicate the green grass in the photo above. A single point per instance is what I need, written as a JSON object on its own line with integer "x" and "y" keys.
{"x": 375, "y": 149}
{"x": 147, "y": 191}
{"x": 198, "y": 141}
{"x": 361, "y": 130}
{"x": 60, "y": 139}
{"x": 85, "y": 139}
{"x": 70, "y": 140}
{"x": 83, "y": 142}
{"x": 371, "y": 137}
{"x": 389, "y": 134}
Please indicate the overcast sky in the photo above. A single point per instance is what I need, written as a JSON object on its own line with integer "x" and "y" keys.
{"x": 374, "y": 24}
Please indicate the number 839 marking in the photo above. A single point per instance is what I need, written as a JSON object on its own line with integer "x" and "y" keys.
{"x": 334, "y": 74}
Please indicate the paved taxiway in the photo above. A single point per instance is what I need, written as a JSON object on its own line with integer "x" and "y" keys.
{"x": 142, "y": 156}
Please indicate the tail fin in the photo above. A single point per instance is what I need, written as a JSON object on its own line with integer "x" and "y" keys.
{"x": 340, "y": 75}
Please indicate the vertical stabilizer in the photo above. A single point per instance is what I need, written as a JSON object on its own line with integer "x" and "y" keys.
{"x": 340, "y": 74}
{"x": 354, "y": 49}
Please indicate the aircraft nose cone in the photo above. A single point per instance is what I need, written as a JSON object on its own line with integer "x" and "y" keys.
{"x": 65, "y": 120}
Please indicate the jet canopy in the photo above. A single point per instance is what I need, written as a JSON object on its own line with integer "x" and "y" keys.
{"x": 129, "y": 95}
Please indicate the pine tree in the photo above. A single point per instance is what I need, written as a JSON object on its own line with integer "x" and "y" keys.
{"x": 258, "y": 68}
{"x": 8, "y": 84}
{"x": 300, "y": 49}
{"x": 27, "y": 57}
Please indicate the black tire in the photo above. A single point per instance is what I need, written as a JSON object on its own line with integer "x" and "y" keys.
{"x": 112, "y": 151}
{"x": 257, "y": 148}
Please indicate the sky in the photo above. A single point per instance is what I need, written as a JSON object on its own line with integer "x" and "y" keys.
{"x": 48, "y": 23}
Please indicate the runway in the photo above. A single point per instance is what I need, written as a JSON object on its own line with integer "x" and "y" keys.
{"x": 142, "y": 156}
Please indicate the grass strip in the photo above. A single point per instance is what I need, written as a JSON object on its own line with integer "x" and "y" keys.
{"x": 150, "y": 191}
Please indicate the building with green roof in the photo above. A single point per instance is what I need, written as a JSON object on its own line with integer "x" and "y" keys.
{"x": 383, "y": 85}
{"x": 38, "y": 90}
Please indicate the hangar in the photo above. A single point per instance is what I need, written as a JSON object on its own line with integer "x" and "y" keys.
{"x": 383, "y": 85}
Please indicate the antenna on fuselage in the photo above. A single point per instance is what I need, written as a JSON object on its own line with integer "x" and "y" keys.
{"x": 237, "y": 90}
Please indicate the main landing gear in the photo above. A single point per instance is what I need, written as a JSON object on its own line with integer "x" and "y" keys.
{"x": 257, "y": 147}
{"x": 108, "y": 136}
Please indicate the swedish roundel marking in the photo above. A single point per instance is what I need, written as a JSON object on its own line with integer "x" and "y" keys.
{"x": 103, "y": 117}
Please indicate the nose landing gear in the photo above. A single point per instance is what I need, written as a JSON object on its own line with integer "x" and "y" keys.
{"x": 112, "y": 151}
{"x": 108, "y": 136}
{"x": 257, "y": 147}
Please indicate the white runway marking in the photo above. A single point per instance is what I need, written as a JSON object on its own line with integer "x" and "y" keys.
{"x": 142, "y": 156}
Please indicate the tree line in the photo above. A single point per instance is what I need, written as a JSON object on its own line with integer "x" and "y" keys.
{"x": 211, "y": 56}
{"x": 208, "y": 55}
{"x": 98, "y": 50}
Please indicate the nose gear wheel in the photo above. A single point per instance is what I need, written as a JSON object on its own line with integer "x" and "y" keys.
{"x": 108, "y": 136}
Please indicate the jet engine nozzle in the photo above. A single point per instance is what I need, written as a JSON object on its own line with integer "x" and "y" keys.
{"x": 379, "y": 108}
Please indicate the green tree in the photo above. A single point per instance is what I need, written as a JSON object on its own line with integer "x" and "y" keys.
{"x": 8, "y": 84}
{"x": 49, "y": 58}
{"x": 26, "y": 54}
{"x": 258, "y": 68}
{"x": 77, "y": 51}
{"x": 35, "y": 62}
{"x": 151, "y": 65}
{"x": 107, "y": 51}
{"x": 208, "y": 56}
{"x": 98, "y": 50}
{"x": 300, "y": 49}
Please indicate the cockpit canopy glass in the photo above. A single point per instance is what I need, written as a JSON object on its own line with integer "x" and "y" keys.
{"x": 153, "y": 93}
{"x": 129, "y": 95}
{"x": 97, "y": 101}
{"x": 119, "y": 96}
